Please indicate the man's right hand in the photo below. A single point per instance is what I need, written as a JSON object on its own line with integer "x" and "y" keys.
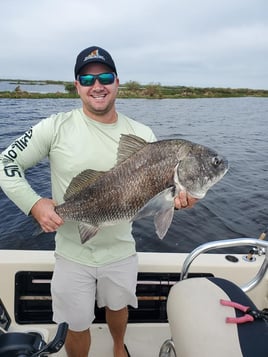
{"x": 43, "y": 211}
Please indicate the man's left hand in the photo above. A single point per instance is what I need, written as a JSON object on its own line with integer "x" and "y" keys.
{"x": 183, "y": 200}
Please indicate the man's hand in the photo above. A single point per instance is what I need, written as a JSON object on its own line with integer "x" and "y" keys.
{"x": 43, "y": 211}
{"x": 183, "y": 200}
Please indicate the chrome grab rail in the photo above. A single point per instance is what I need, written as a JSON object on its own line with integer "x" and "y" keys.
{"x": 166, "y": 349}
{"x": 227, "y": 243}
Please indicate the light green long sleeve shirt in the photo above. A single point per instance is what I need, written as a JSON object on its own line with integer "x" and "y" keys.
{"x": 73, "y": 142}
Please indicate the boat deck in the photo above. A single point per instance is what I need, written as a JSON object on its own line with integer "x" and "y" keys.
{"x": 142, "y": 338}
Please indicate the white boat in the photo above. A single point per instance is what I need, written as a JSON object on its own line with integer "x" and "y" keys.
{"x": 25, "y": 294}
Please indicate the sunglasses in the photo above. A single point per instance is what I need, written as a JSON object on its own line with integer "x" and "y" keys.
{"x": 88, "y": 80}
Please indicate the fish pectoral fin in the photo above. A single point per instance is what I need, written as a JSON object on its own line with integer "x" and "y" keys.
{"x": 87, "y": 231}
{"x": 162, "y": 202}
{"x": 162, "y": 222}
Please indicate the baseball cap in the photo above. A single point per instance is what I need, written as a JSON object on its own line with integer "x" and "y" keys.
{"x": 93, "y": 54}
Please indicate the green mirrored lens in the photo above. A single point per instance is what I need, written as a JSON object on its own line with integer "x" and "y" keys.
{"x": 106, "y": 78}
{"x": 86, "y": 79}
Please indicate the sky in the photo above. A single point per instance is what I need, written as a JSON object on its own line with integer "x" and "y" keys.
{"x": 208, "y": 43}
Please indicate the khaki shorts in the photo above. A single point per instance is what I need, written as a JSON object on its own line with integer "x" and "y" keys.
{"x": 76, "y": 287}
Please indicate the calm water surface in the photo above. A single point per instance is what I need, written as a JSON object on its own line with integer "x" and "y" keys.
{"x": 33, "y": 88}
{"x": 235, "y": 207}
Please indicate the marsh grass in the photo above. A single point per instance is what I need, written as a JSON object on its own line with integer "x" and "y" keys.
{"x": 133, "y": 89}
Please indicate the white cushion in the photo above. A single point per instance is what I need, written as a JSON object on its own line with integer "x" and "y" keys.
{"x": 197, "y": 320}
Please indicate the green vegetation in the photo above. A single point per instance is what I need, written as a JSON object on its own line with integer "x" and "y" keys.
{"x": 153, "y": 90}
{"x": 133, "y": 89}
{"x": 29, "y": 95}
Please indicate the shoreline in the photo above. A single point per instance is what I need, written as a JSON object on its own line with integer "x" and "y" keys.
{"x": 132, "y": 90}
{"x": 60, "y": 95}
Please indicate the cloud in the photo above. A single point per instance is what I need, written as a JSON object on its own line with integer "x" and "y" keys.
{"x": 182, "y": 42}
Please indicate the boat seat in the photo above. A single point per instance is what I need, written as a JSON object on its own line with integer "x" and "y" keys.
{"x": 197, "y": 319}
{"x": 13, "y": 344}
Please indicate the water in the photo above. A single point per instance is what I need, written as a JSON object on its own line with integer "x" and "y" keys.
{"x": 32, "y": 88}
{"x": 235, "y": 207}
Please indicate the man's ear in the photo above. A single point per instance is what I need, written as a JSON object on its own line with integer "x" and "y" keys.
{"x": 76, "y": 84}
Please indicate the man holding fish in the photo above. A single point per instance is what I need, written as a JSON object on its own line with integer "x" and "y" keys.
{"x": 96, "y": 258}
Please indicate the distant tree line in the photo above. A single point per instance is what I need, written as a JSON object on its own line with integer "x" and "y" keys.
{"x": 156, "y": 90}
{"x": 133, "y": 89}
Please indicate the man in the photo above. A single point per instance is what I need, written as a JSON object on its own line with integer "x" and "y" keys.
{"x": 105, "y": 268}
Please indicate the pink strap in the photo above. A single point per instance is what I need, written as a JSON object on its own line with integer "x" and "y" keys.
{"x": 237, "y": 320}
{"x": 236, "y": 305}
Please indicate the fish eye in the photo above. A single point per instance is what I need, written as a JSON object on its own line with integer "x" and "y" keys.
{"x": 216, "y": 161}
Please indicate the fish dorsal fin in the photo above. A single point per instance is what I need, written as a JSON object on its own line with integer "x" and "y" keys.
{"x": 129, "y": 145}
{"x": 81, "y": 181}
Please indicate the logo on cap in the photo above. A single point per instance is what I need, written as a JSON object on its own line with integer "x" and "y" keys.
{"x": 94, "y": 54}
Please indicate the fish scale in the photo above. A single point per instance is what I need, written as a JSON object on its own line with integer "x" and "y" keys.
{"x": 143, "y": 183}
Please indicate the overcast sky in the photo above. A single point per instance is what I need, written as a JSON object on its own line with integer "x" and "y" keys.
{"x": 208, "y": 43}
